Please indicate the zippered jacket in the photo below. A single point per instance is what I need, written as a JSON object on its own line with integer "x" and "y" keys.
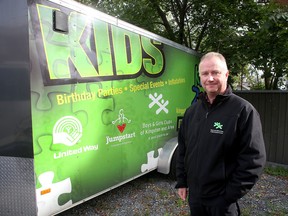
{"x": 221, "y": 150}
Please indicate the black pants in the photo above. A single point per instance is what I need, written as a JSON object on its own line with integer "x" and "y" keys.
{"x": 197, "y": 208}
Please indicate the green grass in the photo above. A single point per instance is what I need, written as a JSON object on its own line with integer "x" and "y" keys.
{"x": 181, "y": 203}
{"x": 276, "y": 210}
{"x": 164, "y": 193}
{"x": 246, "y": 211}
{"x": 276, "y": 171}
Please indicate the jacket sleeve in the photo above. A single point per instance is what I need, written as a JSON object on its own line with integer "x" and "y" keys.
{"x": 180, "y": 168}
{"x": 251, "y": 156}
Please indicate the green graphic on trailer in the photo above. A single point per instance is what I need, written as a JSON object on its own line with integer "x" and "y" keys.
{"x": 104, "y": 102}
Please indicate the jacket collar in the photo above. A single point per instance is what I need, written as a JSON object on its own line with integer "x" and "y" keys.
{"x": 204, "y": 98}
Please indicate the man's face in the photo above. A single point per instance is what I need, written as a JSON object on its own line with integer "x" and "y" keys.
{"x": 213, "y": 75}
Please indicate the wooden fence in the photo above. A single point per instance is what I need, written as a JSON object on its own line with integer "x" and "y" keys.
{"x": 273, "y": 109}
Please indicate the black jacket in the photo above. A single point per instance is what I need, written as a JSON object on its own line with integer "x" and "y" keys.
{"x": 221, "y": 149}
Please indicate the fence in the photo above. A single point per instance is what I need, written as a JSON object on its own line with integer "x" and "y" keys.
{"x": 273, "y": 109}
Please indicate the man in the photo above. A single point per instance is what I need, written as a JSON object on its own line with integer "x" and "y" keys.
{"x": 221, "y": 151}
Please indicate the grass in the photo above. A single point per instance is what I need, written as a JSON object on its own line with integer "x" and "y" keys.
{"x": 246, "y": 211}
{"x": 181, "y": 203}
{"x": 272, "y": 208}
{"x": 276, "y": 170}
{"x": 164, "y": 193}
{"x": 276, "y": 210}
{"x": 282, "y": 172}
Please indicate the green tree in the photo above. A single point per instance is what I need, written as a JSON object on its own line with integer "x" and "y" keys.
{"x": 269, "y": 45}
{"x": 246, "y": 32}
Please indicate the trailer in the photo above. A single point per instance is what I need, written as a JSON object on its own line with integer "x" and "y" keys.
{"x": 88, "y": 103}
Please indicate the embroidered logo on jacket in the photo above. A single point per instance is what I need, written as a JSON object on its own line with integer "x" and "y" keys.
{"x": 217, "y": 128}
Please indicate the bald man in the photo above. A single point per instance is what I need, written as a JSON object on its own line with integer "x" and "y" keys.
{"x": 221, "y": 151}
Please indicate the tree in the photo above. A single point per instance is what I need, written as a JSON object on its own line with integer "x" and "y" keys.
{"x": 246, "y": 32}
{"x": 268, "y": 50}
{"x": 139, "y": 13}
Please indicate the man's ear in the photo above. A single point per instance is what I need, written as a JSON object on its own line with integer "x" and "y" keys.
{"x": 227, "y": 73}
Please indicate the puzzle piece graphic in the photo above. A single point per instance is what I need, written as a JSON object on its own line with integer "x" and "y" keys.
{"x": 93, "y": 110}
{"x": 152, "y": 162}
{"x": 46, "y": 112}
{"x": 44, "y": 120}
{"x": 47, "y": 195}
{"x": 44, "y": 143}
{"x": 40, "y": 92}
{"x": 143, "y": 79}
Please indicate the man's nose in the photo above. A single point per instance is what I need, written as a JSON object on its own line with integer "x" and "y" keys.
{"x": 210, "y": 77}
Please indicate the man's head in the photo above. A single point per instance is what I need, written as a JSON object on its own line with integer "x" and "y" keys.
{"x": 213, "y": 73}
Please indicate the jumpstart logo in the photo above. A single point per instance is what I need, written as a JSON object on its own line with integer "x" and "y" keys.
{"x": 121, "y": 121}
{"x": 67, "y": 131}
{"x": 121, "y": 124}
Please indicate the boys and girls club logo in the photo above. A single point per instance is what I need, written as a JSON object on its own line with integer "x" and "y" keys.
{"x": 218, "y": 128}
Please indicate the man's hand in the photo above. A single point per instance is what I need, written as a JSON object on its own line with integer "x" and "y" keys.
{"x": 182, "y": 192}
